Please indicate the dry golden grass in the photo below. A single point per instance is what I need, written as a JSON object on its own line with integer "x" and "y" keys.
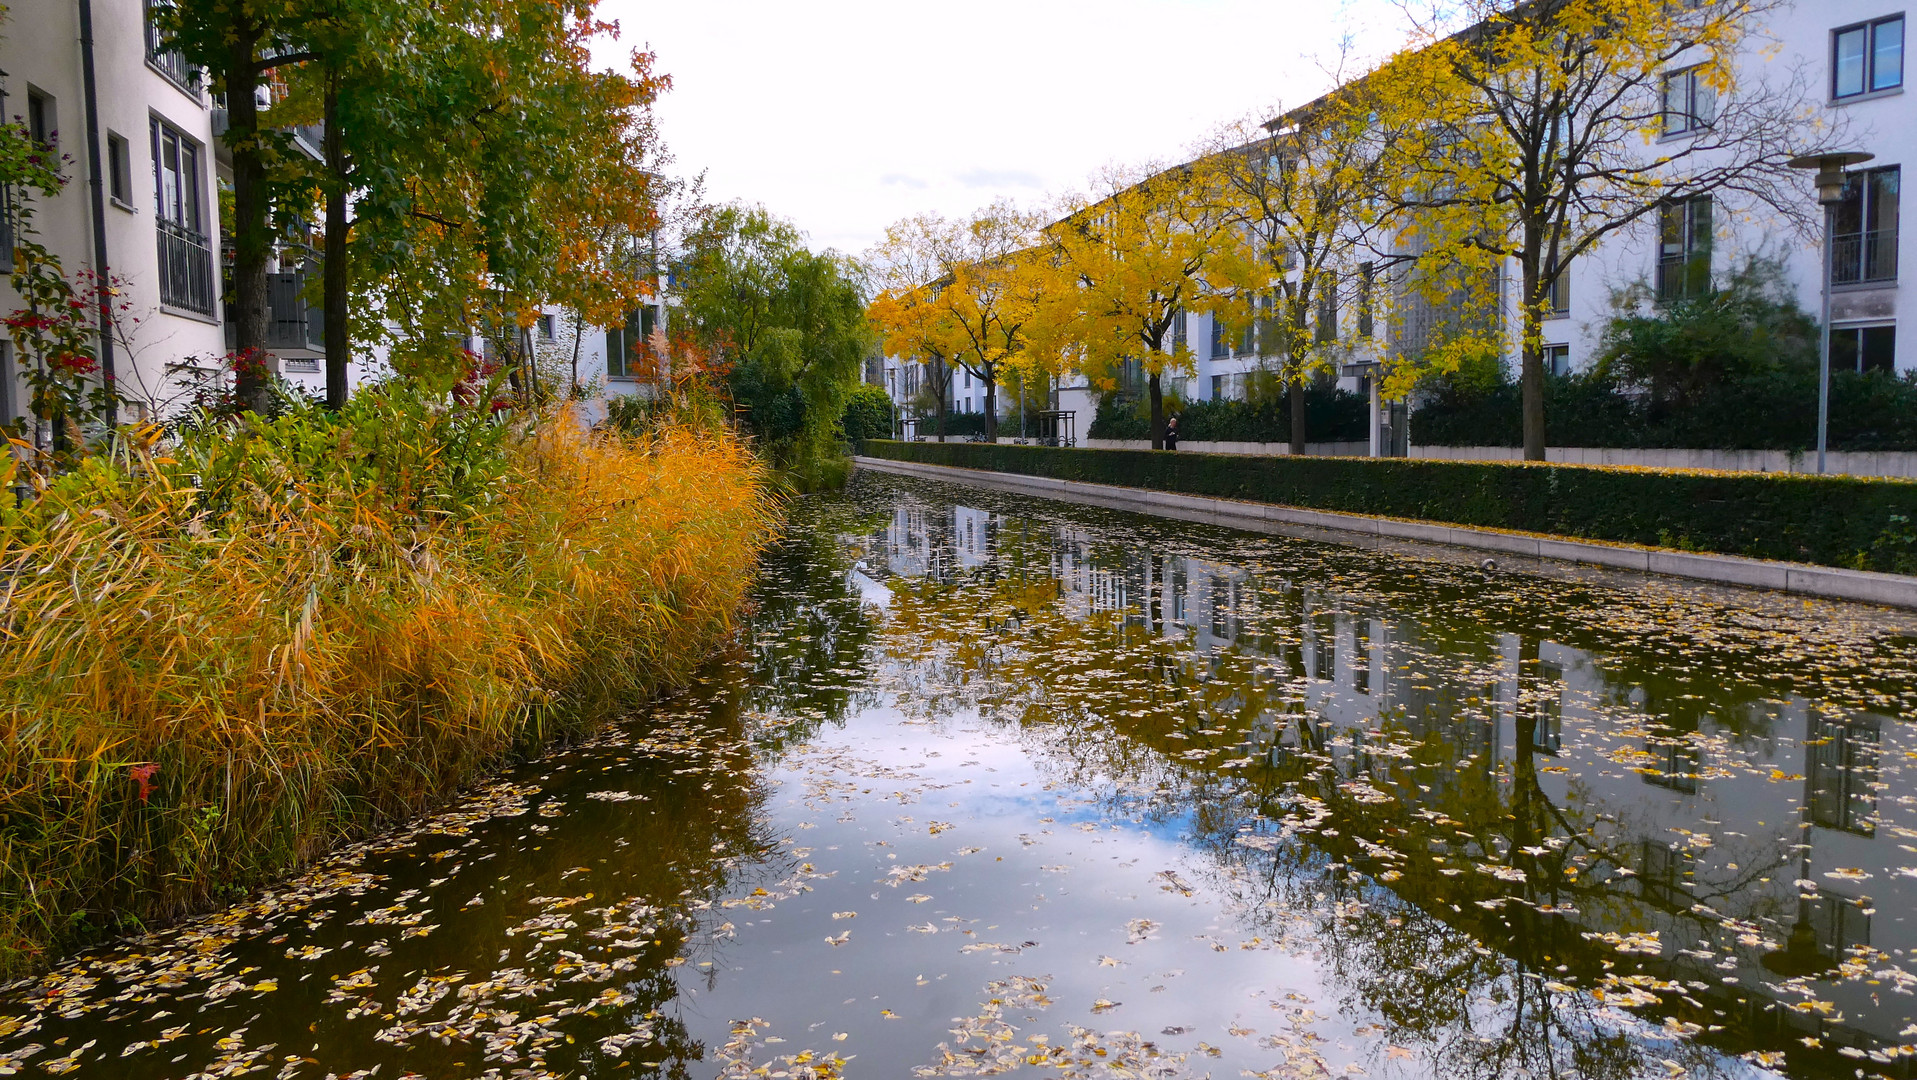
{"x": 213, "y": 668}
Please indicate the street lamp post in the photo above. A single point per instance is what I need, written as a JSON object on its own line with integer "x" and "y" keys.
{"x": 1830, "y": 181}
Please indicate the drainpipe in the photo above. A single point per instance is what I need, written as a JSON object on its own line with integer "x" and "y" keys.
{"x": 102, "y": 274}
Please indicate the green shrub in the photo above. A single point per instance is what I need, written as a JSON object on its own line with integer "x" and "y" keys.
{"x": 1732, "y": 370}
{"x": 868, "y": 413}
{"x": 1331, "y": 415}
{"x": 1773, "y": 410}
{"x": 1829, "y": 520}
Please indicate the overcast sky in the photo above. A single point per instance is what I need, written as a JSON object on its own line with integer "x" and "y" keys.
{"x": 846, "y": 115}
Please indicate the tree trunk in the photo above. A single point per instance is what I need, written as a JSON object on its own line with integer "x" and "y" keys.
{"x": 991, "y": 405}
{"x": 1295, "y": 390}
{"x": 941, "y": 386}
{"x": 336, "y": 281}
{"x": 251, "y": 241}
{"x": 1531, "y": 366}
{"x": 1157, "y": 392}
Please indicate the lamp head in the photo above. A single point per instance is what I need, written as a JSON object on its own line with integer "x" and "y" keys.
{"x": 1830, "y": 168}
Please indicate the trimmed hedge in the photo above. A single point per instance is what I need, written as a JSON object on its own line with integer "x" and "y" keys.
{"x": 1845, "y": 521}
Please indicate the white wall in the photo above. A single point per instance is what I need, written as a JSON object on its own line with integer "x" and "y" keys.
{"x": 40, "y": 48}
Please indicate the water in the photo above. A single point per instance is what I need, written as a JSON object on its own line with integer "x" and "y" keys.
{"x": 995, "y": 785}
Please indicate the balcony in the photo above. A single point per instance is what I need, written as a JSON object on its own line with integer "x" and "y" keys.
{"x": 1862, "y": 258}
{"x": 169, "y": 62}
{"x": 292, "y": 324}
{"x": 186, "y": 268}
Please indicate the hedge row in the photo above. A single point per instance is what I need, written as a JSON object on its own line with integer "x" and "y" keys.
{"x": 1829, "y": 520}
{"x": 1767, "y": 411}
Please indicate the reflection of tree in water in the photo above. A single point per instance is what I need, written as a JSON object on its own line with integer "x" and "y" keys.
{"x": 804, "y": 639}
{"x": 1224, "y": 739}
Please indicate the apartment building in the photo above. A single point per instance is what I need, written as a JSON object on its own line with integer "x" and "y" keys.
{"x": 152, "y": 220}
{"x": 136, "y": 130}
{"x": 1849, "y": 53}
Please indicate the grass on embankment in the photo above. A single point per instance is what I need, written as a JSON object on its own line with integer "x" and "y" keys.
{"x": 215, "y": 666}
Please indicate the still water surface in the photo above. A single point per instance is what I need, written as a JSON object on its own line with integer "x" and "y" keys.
{"x": 992, "y": 785}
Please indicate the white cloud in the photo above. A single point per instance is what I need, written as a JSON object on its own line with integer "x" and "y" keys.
{"x": 849, "y": 114}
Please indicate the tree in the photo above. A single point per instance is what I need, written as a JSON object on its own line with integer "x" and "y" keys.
{"x": 911, "y": 323}
{"x": 240, "y": 43}
{"x": 1132, "y": 257}
{"x": 988, "y": 291}
{"x": 437, "y": 216}
{"x": 1539, "y": 129}
{"x": 1296, "y": 189}
{"x": 789, "y": 322}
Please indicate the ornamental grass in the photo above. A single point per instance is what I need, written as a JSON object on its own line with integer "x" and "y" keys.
{"x": 218, "y": 663}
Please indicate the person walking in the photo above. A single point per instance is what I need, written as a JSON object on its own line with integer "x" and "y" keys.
{"x": 1171, "y": 433}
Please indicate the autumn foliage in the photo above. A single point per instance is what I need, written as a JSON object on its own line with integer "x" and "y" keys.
{"x": 220, "y": 663}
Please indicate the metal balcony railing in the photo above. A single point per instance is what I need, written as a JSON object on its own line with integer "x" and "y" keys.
{"x": 1860, "y": 257}
{"x": 186, "y": 268}
{"x": 169, "y": 61}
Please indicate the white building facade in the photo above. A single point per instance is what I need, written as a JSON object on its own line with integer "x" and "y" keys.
{"x": 1850, "y": 53}
{"x": 153, "y": 223}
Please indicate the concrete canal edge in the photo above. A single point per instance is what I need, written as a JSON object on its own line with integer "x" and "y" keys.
{"x": 1825, "y": 582}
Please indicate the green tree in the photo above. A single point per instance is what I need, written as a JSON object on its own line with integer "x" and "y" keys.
{"x": 790, "y": 324}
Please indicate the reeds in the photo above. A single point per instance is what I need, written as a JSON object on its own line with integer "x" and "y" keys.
{"x": 216, "y": 665}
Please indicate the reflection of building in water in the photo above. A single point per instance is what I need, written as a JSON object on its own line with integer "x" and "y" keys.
{"x": 1761, "y": 811}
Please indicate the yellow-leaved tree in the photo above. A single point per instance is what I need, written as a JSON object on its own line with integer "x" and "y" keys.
{"x": 987, "y": 289}
{"x": 1126, "y": 260}
{"x": 1528, "y": 133}
{"x": 1296, "y": 191}
{"x": 908, "y": 270}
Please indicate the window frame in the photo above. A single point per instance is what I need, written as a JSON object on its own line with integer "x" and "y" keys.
{"x": 1875, "y": 263}
{"x": 1867, "y": 60}
{"x": 1700, "y": 104}
{"x": 120, "y": 170}
{"x": 181, "y": 230}
{"x": 1691, "y": 253}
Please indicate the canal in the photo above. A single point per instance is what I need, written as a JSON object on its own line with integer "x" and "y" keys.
{"x": 992, "y": 785}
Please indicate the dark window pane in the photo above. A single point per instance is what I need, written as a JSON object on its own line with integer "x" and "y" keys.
{"x": 1887, "y": 55}
{"x": 1848, "y": 62}
{"x": 1879, "y": 349}
{"x": 1843, "y": 350}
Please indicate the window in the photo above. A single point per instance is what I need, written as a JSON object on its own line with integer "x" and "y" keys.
{"x": 1684, "y": 248}
{"x": 1367, "y": 280}
{"x": 119, "y": 170}
{"x": 1689, "y": 102}
{"x": 1217, "y": 338}
{"x": 1228, "y": 387}
{"x": 179, "y": 210}
{"x": 1864, "y": 348}
{"x": 546, "y": 327}
{"x": 624, "y": 344}
{"x": 42, "y": 124}
{"x": 1557, "y": 360}
{"x": 1863, "y": 243}
{"x": 1327, "y": 329}
{"x": 1843, "y": 768}
{"x": 1558, "y": 297}
{"x": 1177, "y": 329}
{"x": 1867, "y": 58}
